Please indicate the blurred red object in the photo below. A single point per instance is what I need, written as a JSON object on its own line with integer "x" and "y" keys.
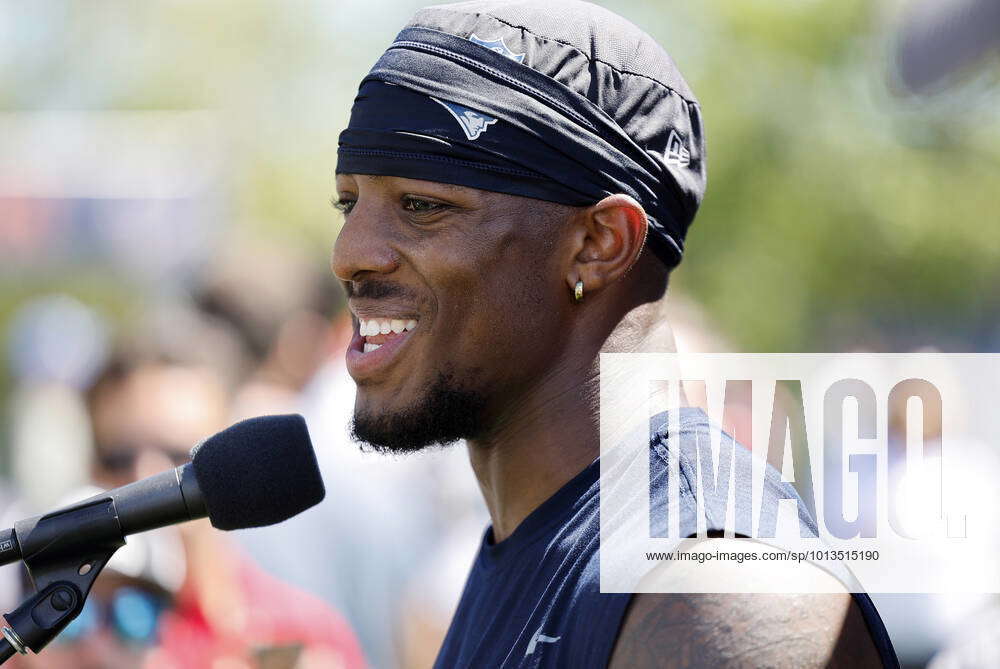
{"x": 260, "y": 622}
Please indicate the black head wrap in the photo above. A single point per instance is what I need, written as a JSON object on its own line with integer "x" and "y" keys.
{"x": 558, "y": 100}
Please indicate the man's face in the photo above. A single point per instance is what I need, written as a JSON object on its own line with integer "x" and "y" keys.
{"x": 473, "y": 280}
{"x": 148, "y": 421}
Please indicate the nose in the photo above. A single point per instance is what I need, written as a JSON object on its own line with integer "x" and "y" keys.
{"x": 363, "y": 244}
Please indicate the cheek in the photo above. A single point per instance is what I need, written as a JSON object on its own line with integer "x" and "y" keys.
{"x": 501, "y": 313}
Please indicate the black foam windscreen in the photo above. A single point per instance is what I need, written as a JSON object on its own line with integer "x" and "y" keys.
{"x": 258, "y": 472}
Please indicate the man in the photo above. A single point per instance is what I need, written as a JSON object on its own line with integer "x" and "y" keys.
{"x": 517, "y": 180}
{"x": 146, "y": 411}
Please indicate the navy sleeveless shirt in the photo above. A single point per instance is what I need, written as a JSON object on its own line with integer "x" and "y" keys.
{"x": 534, "y": 600}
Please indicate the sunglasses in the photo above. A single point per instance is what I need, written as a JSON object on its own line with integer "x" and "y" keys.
{"x": 131, "y": 613}
{"x": 122, "y": 457}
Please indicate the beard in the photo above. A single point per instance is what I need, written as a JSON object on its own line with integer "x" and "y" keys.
{"x": 445, "y": 414}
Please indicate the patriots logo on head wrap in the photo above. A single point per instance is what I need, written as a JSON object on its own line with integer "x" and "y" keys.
{"x": 473, "y": 123}
{"x": 499, "y": 46}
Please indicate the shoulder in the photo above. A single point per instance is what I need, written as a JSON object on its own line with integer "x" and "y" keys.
{"x": 707, "y": 625}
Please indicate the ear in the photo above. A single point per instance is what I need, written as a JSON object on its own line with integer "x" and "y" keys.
{"x": 607, "y": 240}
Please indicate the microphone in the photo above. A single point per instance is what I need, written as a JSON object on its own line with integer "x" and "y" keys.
{"x": 255, "y": 473}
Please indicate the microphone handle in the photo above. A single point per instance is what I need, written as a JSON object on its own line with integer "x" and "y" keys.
{"x": 167, "y": 498}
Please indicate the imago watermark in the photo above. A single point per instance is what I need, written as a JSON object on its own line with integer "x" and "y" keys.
{"x": 800, "y": 472}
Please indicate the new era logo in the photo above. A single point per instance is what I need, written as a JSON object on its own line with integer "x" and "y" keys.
{"x": 473, "y": 123}
{"x": 677, "y": 154}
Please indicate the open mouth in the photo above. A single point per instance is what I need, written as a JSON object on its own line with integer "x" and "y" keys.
{"x": 377, "y": 342}
{"x": 378, "y": 331}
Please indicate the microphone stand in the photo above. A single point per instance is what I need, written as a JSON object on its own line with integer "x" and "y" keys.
{"x": 64, "y": 553}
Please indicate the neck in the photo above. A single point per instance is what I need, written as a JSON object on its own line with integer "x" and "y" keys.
{"x": 552, "y": 432}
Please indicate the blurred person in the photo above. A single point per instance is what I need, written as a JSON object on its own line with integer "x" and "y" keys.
{"x": 517, "y": 180}
{"x": 146, "y": 416}
{"x": 279, "y": 307}
{"x": 431, "y": 594}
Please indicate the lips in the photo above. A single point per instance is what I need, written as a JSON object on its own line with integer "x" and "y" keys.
{"x": 377, "y": 344}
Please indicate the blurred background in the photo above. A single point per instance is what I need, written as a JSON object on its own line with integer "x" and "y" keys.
{"x": 165, "y": 229}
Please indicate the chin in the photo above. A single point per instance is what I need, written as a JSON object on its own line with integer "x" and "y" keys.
{"x": 444, "y": 414}
{"x": 385, "y": 403}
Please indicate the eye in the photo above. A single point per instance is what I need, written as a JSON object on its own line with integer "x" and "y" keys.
{"x": 343, "y": 204}
{"x": 419, "y": 205}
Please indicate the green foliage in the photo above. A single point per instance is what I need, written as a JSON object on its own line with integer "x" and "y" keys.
{"x": 837, "y": 215}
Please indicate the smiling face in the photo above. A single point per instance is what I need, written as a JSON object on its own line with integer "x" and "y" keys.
{"x": 459, "y": 299}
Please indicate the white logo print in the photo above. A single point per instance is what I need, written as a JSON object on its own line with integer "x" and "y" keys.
{"x": 473, "y": 123}
{"x": 540, "y": 638}
{"x": 676, "y": 154}
{"x": 499, "y": 46}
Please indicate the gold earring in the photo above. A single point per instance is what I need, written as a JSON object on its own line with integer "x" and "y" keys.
{"x": 578, "y": 292}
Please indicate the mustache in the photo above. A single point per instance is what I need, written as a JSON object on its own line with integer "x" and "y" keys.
{"x": 373, "y": 289}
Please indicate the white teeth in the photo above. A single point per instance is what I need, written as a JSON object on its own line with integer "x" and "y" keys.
{"x": 377, "y": 326}
{"x": 371, "y": 347}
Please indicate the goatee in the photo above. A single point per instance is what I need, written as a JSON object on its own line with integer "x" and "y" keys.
{"x": 447, "y": 413}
